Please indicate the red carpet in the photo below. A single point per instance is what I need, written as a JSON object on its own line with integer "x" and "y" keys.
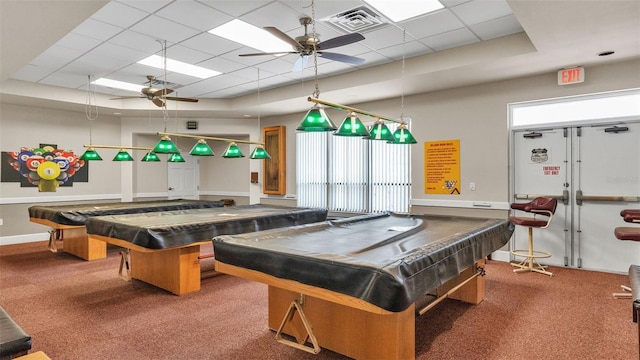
{"x": 75, "y": 309}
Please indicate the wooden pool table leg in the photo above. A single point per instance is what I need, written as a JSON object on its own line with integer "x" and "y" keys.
{"x": 175, "y": 270}
{"x": 76, "y": 242}
{"x": 352, "y": 332}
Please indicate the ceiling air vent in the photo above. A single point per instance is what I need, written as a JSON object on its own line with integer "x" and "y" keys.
{"x": 159, "y": 83}
{"x": 358, "y": 20}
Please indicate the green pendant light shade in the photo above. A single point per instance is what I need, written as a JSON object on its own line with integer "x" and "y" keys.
{"x": 402, "y": 136}
{"x": 90, "y": 154}
{"x": 150, "y": 157}
{"x": 233, "y": 151}
{"x": 176, "y": 158}
{"x": 201, "y": 148}
{"x": 259, "y": 153}
{"x": 316, "y": 120}
{"x": 122, "y": 155}
{"x": 380, "y": 131}
{"x": 165, "y": 146}
{"x": 352, "y": 126}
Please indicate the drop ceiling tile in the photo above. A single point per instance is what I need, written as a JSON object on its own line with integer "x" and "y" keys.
{"x": 97, "y": 29}
{"x": 409, "y": 49}
{"x": 31, "y": 73}
{"x": 235, "y": 8}
{"x": 477, "y": 11}
{"x": 66, "y": 79}
{"x": 211, "y": 44}
{"x": 384, "y": 37}
{"x": 193, "y": 15}
{"x": 450, "y": 3}
{"x": 496, "y": 28}
{"x": 55, "y": 57}
{"x": 137, "y": 41}
{"x": 435, "y": 23}
{"x": 127, "y": 55}
{"x": 185, "y": 54}
{"x": 221, "y": 64}
{"x": 164, "y": 29}
{"x": 146, "y": 5}
{"x": 118, "y": 14}
{"x": 450, "y": 40}
{"x": 275, "y": 14}
{"x": 78, "y": 42}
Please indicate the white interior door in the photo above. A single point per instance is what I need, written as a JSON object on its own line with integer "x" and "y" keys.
{"x": 184, "y": 178}
{"x": 607, "y": 172}
{"x": 541, "y": 168}
{"x": 594, "y": 171}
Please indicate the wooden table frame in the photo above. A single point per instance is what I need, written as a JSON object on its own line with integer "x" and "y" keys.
{"x": 176, "y": 270}
{"x": 76, "y": 241}
{"x": 351, "y": 326}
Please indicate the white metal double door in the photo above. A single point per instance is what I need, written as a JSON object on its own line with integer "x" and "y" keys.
{"x": 594, "y": 172}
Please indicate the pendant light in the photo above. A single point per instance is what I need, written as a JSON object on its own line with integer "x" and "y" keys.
{"x": 177, "y": 157}
{"x": 90, "y": 154}
{"x": 232, "y": 151}
{"x": 402, "y": 135}
{"x": 165, "y": 146}
{"x": 201, "y": 148}
{"x": 380, "y": 131}
{"x": 123, "y": 155}
{"x": 259, "y": 153}
{"x": 150, "y": 157}
{"x": 316, "y": 120}
{"x": 352, "y": 126}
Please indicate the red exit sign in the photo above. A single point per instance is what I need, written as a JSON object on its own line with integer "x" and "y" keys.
{"x": 571, "y": 76}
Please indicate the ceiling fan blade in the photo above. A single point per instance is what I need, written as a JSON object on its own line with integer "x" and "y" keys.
{"x": 158, "y": 102}
{"x": 342, "y": 58}
{"x": 127, "y": 97}
{"x": 181, "y": 99}
{"x": 284, "y": 37}
{"x": 270, "y": 53}
{"x": 162, "y": 92}
{"x": 301, "y": 63}
{"x": 340, "y": 41}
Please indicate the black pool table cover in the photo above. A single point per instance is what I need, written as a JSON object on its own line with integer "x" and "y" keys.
{"x": 170, "y": 229}
{"x": 77, "y": 215}
{"x": 389, "y": 260}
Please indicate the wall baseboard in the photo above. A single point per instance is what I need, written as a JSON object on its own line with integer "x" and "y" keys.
{"x": 493, "y": 205}
{"x": 21, "y": 239}
{"x": 501, "y": 255}
{"x": 63, "y": 198}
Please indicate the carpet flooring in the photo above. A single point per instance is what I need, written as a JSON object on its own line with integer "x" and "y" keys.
{"x": 76, "y": 309}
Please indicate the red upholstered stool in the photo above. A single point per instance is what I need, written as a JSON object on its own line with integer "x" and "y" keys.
{"x": 542, "y": 209}
{"x": 631, "y": 234}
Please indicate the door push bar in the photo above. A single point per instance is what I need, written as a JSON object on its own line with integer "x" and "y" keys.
{"x": 564, "y": 197}
{"x": 580, "y": 198}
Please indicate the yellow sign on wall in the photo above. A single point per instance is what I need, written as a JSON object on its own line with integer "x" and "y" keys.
{"x": 442, "y": 167}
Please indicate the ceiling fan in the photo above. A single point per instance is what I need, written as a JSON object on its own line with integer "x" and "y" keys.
{"x": 157, "y": 96}
{"x": 304, "y": 46}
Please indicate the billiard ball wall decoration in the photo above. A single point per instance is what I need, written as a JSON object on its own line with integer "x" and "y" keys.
{"x": 45, "y": 167}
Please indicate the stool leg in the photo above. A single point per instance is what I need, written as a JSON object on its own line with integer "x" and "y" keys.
{"x": 527, "y": 263}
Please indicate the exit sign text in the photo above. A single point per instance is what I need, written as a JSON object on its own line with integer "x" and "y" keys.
{"x": 571, "y": 76}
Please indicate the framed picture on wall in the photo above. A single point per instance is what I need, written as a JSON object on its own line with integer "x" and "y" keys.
{"x": 274, "y": 180}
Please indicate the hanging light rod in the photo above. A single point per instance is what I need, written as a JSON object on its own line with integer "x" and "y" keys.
{"x": 210, "y": 138}
{"x": 117, "y": 147}
{"x": 349, "y": 108}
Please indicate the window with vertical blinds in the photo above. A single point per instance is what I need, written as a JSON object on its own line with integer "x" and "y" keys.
{"x": 352, "y": 174}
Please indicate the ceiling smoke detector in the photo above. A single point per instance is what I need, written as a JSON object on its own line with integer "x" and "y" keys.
{"x": 357, "y": 20}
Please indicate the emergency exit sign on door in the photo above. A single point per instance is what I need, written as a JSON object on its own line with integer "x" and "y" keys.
{"x": 571, "y": 76}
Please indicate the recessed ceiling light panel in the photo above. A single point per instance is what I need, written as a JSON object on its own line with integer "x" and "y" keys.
{"x": 251, "y": 36}
{"x": 179, "y": 67}
{"x": 398, "y": 10}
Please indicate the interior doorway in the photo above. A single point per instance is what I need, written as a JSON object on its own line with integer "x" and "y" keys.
{"x": 183, "y": 178}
